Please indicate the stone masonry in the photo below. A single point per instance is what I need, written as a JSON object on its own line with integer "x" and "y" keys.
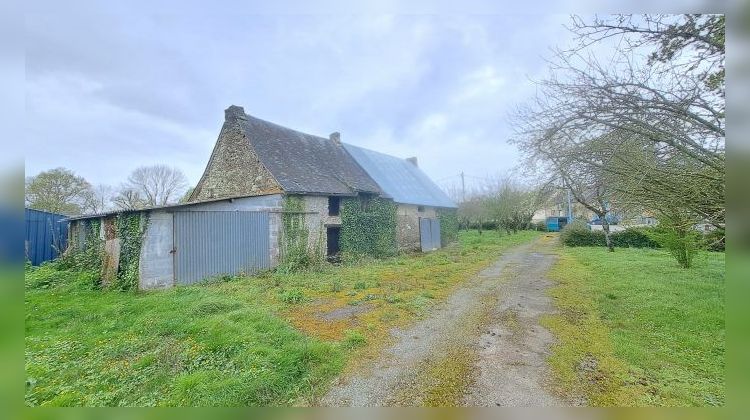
{"x": 407, "y": 228}
{"x": 234, "y": 168}
{"x": 317, "y": 220}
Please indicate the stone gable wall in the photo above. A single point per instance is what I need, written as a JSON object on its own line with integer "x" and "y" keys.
{"x": 234, "y": 169}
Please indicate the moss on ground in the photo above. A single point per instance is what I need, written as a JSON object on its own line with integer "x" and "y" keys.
{"x": 634, "y": 329}
{"x": 240, "y": 341}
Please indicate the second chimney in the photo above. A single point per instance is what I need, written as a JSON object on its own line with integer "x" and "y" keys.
{"x": 413, "y": 161}
{"x": 335, "y": 137}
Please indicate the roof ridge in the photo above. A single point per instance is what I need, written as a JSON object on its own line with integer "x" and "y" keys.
{"x": 261, "y": 120}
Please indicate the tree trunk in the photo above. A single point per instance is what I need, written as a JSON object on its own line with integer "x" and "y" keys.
{"x": 605, "y": 228}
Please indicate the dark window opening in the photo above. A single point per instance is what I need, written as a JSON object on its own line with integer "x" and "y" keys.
{"x": 364, "y": 201}
{"x": 332, "y": 238}
{"x": 420, "y": 209}
{"x": 334, "y": 206}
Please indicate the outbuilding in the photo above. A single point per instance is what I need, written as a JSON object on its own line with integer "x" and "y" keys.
{"x": 271, "y": 195}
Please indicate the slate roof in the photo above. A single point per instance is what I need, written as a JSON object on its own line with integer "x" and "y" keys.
{"x": 400, "y": 179}
{"x": 306, "y": 164}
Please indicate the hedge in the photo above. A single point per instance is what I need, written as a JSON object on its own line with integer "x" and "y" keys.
{"x": 579, "y": 234}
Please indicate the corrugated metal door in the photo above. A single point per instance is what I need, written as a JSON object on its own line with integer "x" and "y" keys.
{"x": 214, "y": 243}
{"x": 429, "y": 234}
{"x": 435, "y": 231}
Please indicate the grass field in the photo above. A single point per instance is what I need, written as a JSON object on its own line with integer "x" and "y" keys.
{"x": 634, "y": 329}
{"x": 275, "y": 339}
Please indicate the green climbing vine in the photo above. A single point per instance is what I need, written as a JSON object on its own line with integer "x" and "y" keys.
{"x": 448, "y": 225}
{"x": 85, "y": 250}
{"x": 296, "y": 253}
{"x": 368, "y": 227}
{"x": 130, "y": 228}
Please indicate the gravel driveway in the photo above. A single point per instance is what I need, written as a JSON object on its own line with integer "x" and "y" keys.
{"x": 482, "y": 347}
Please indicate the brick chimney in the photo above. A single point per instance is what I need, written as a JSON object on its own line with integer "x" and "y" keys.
{"x": 234, "y": 112}
{"x": 335, "y": 137}
{"x": 413, "y": 161}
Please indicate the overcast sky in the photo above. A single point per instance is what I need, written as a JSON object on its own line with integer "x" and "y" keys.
{"x": 107, "y": 92}
{"x": 110, "y": 90}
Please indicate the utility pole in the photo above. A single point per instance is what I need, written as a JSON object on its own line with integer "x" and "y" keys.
{"x": 463, "y": 188}
{"x": 570, "y": 208}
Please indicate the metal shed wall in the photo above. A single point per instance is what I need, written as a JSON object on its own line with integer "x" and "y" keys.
{"x": 46, "y": 236}
{"x": 213, "y": 243}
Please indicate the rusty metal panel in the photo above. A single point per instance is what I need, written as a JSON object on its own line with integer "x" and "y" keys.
{"x": 215, "y": 243}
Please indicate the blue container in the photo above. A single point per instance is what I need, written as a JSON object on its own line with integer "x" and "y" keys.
{"x": 556, "y": 223}
{"x": 46, "y": 235}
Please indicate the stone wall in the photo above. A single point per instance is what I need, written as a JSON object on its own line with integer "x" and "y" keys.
{"x": 407, "y": 228}
{"x": 234, "y": 168}
{"x": 317, "y": 220}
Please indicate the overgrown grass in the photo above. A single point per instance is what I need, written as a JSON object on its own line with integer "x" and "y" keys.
{"x": 265, "y": 340}
{"x": 634, "y": 329}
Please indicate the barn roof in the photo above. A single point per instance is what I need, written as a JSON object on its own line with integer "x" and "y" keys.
{"x": 303, "y": 163}
{"x": 400, "y": 179}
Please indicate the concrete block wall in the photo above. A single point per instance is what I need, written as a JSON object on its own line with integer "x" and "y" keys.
{"x": 156, "y": 266}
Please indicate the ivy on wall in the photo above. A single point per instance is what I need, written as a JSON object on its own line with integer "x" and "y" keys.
{"x": 368, "y": 226}
{"x": 85, "y": 249}
{"x": 130, "y": 228}
{"x": 294, "y": 246}
{"x": 448, "y": 225}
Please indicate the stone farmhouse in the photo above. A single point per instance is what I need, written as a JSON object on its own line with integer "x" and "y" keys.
{"x": 268, "y": 190}
{"x": 255, "y": 157}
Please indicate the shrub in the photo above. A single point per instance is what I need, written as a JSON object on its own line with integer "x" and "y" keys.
{"x": 679, "y": 237}
{"x": 448, "y": 226}
{"x": 636, "y": 237}
{"x": 579, "y": 234}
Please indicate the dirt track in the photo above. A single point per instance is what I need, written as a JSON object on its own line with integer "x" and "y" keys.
{"x": 483, "y": 347}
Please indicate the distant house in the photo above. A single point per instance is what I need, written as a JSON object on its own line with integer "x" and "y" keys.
{"x": 265, "y": 189}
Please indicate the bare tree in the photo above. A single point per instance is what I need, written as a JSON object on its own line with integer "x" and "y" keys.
{"x": 99, "y": 199}
{"x": 473, "y": 211}
{"x": 157, "y": 185}
{"x": 512, "y": 205}
{"x": 642, "y": 130}
{"x": 128, "y": 199}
